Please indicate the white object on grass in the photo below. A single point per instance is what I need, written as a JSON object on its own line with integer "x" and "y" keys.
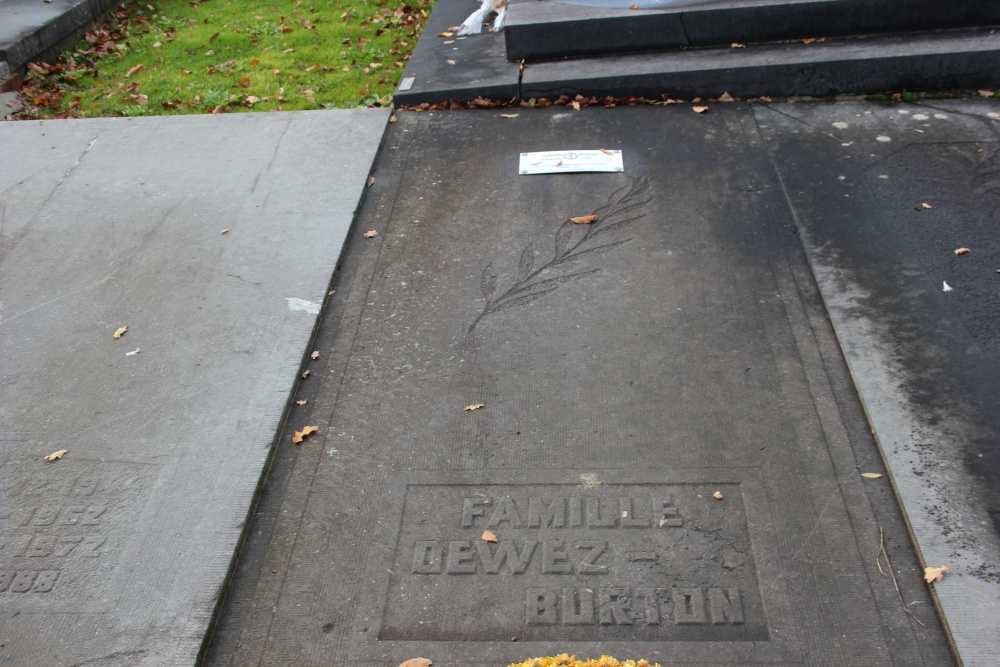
{"x": 557, "y": 162}
{"x": 474, "y": 24}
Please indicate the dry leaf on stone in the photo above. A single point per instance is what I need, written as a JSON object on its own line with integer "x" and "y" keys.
{"x": 808, "y": 40}
{"x": 932, "y": 574}
{"x": 119, "y": 332}
{"x": 302, "y": 402}
{"x": 56, "y": 455}
{"x": 575, "y": 105}
{"x": 314, "y": 355}
{"x": 299, "y": 436}
{"x": 446, "y": 33}
{"x": 306, "y": 373}
{"x": 871, "y": 475}
{"x": 718, "y": 495}
{"x": 985, "y": 93}
{"x": 726, "y": 97}
{"x": 606, "y": 151}
{"x": 926, "y": 205}
{"x": 584, "y": 219}
{"x": 416, "y": 662}
{"x": 392, "y": 118}
{"x": 737, "y": 45}
{"x": 962, "y": 251}
{"x": 489, "y": 536}
{"x": 474, "y": 406}
{"x": 225, "y": 231}
{"x": 699, "y": 109}
{"x": 370, "y": 234}
{"x": 371, "y": 181}
{"x": 633, "y": 7}
{"x": 509, "y": 115}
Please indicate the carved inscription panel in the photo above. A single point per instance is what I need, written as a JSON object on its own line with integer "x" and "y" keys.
{"x": 62, "y": 530}
{"x": 643, "y": 562}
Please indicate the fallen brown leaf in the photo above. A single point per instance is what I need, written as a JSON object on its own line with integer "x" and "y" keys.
{"x": 737, "y": 45}
{"x": 306, "y": 374}
{"x": 726, "y": 97}
{"x": 56, "y": 455}
{"x": 932, "y": 574}
{"x": 606, "y": 151}
{"x": 808, "y": 40}
{"x": 446, "y": 33}
{"x": 765, "y": 98}
{"x": 120, "y": 331}
{"x": 926, "y": 205}
{"x": 314, "y": 355}
{"x": 985, "y": 93}
{"x": 584, "y": 219}
{"x": 718, "y": 495}
{"x": 416, "y": 662}
{"x": 474, "y": 406}
{"x": 134, "y": 70}
{"x": 509, "y": 115}
{"x": 225, "y": 231}
{"x": 371, "y": 181}
{"x": 962, "y": 251}
{"x": 575, "y": 105}
{"x": 633, "y": 6}
{"x": 302, "y": 402}
{"x": 299, "y": 436}
{"x": 699, "y": 109}
{"x": 370, "y": 234}
{"x": 489, "y": 536}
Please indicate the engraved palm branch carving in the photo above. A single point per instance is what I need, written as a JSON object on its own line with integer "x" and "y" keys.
{"x": 623, "y": 207}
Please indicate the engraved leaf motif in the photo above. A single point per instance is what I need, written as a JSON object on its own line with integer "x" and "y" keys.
{"x": 598, "y": 250}
{"x": 522, "y": 300}
{"x": 527, "y": 262}
{"x": 488, "y": 282}
{"x": 558, "y": 280}
{"x": 615, "y": 226}
{"x": 563, "y": 237}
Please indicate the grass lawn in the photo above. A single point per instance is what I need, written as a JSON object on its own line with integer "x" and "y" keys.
{"x": 179, "y": 56}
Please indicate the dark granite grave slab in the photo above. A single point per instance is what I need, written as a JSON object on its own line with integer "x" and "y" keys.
{"x": 883, "y": 196}
{"x": 214, "y": 240}
{"x": 629, "y": 370}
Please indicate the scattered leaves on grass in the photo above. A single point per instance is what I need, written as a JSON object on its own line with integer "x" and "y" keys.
{"x": 474, "y": 406}
{"x": 871, "y": 475}
{"x": 416, "y": 662}
{"x": 932, "y": 574}
{"x": 370, "y": 234}
{"x": 225, "y": 231}
{"x": 489, "y": 536}
{"x": 314, "y": 355}
{"x": 718, "y": 495}
{"x": 962, "y": 251}
{"x": 306, "y": 431}
{"x": 302, "y": 402}
{"x": 54, "y": 456}
{"x": 119, "y": 332}
{"x": 584, "y": 219}
{"x": 699, "y": 109}
{"x": 133, "y": 70}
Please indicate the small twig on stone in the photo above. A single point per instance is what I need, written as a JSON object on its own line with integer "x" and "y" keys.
{"x": 888, "y": 563}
